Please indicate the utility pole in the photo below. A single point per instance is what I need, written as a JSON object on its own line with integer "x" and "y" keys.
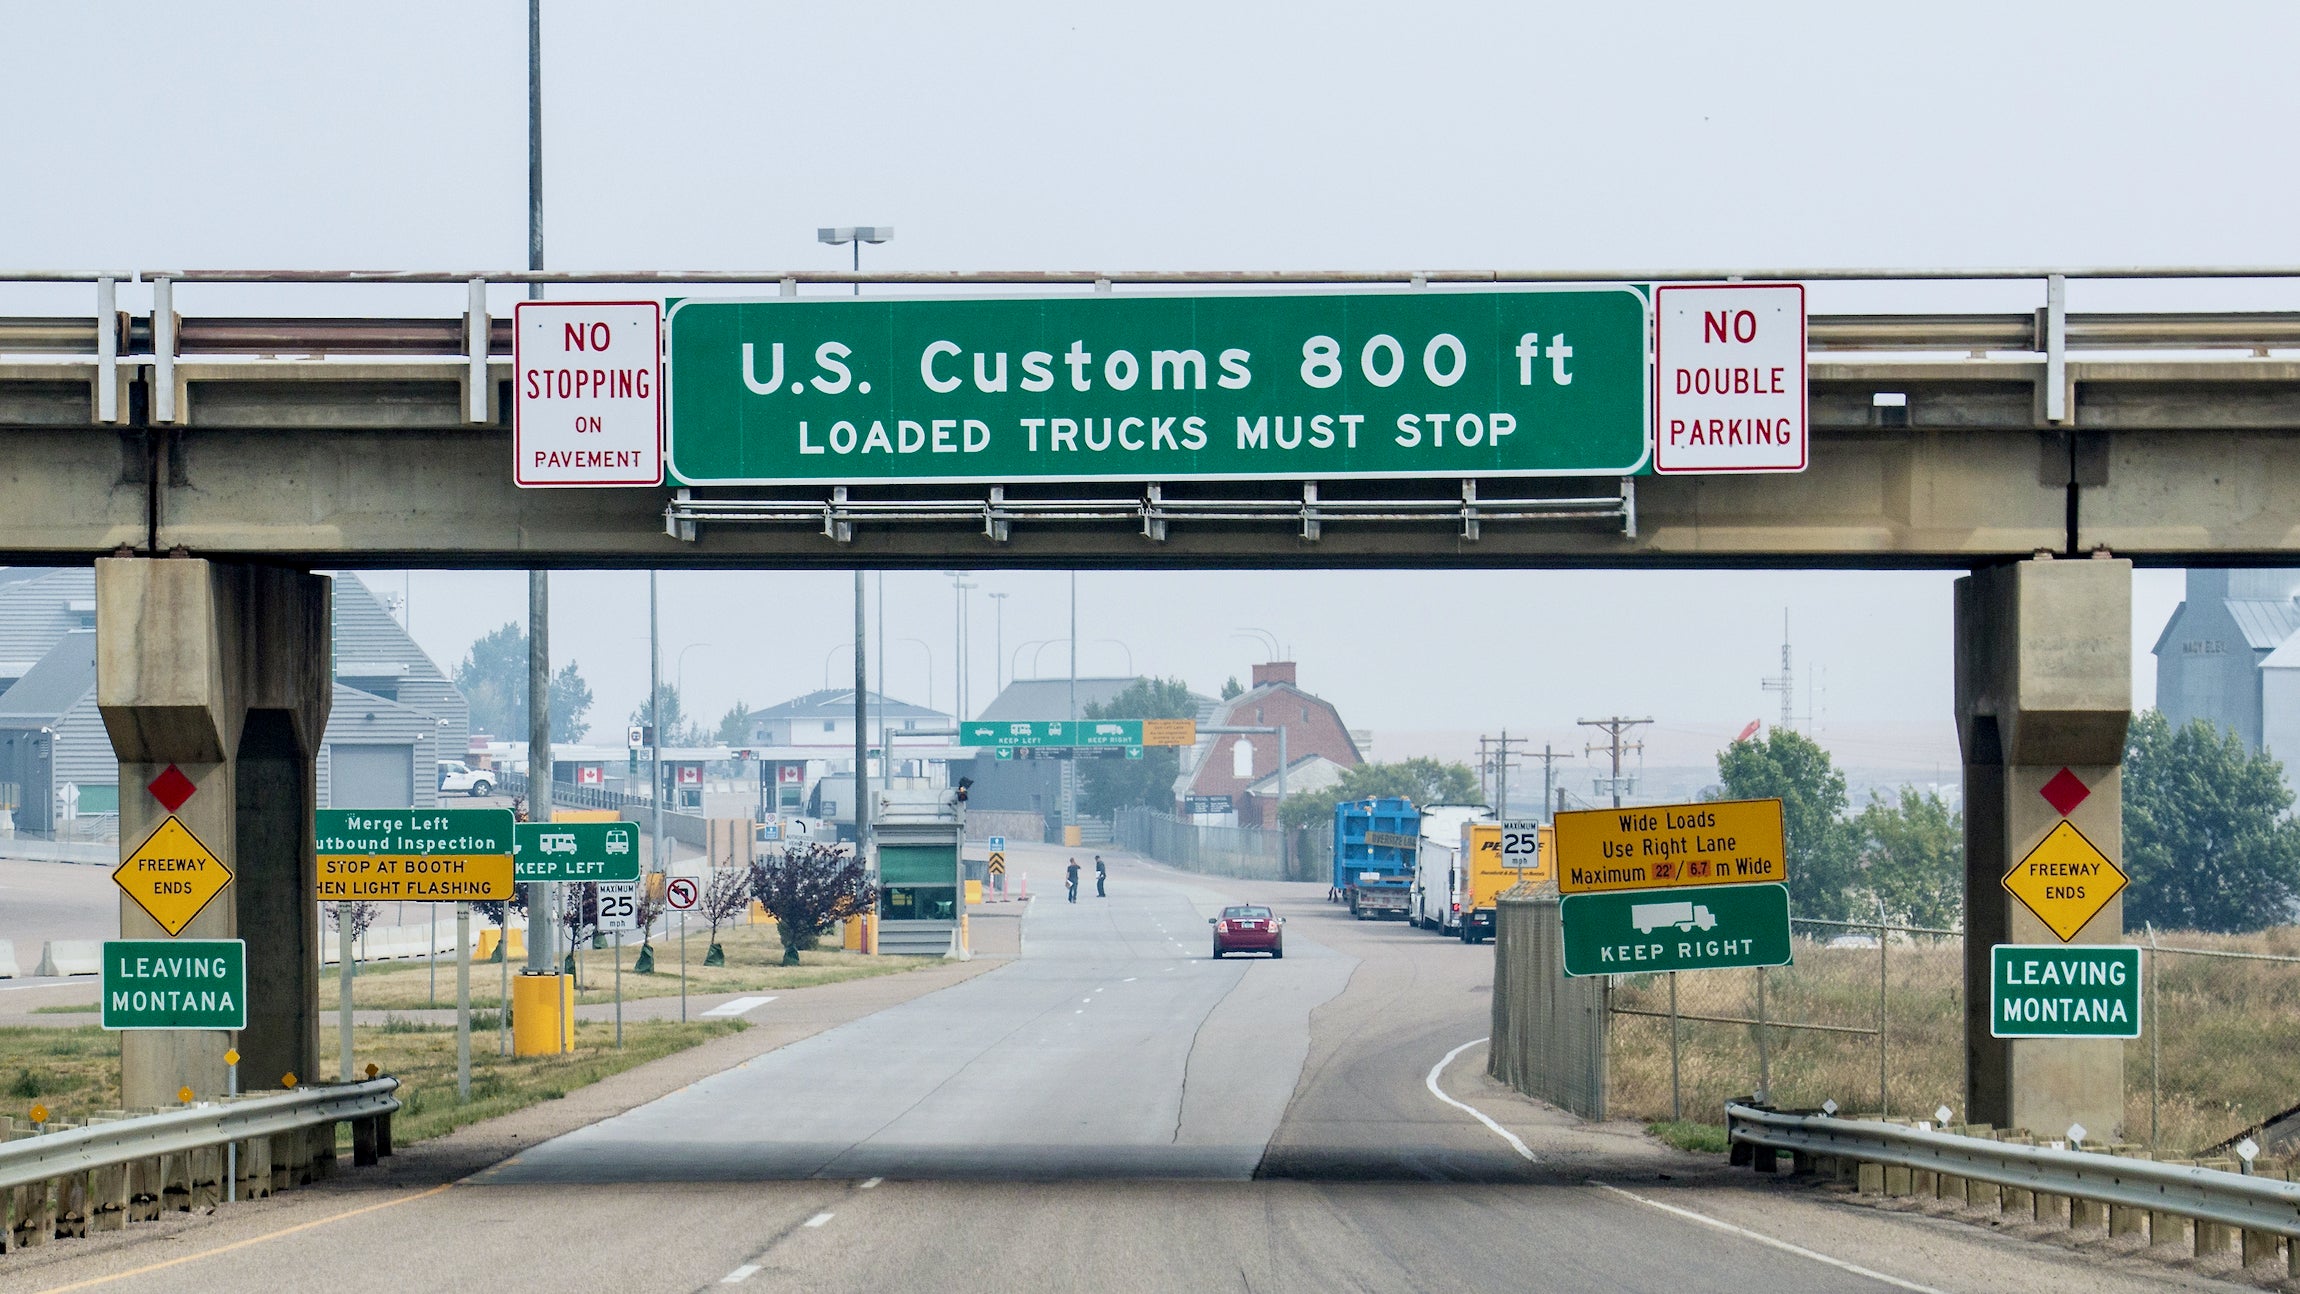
{"x": 997, "y": 643}
{"x": 1548, "y": 758}
{"x": 539, "y": 915}
{"x": 1614, "y": 728}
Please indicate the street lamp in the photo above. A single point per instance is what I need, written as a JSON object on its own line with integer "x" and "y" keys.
{"x": 929, "y": 667}
{"x": 1263, "y": 636}
{"x": 958, "y": 586}
{"x": 1124, "y": 648}
{"x": 855, "y": 236}
{"x": 827, "y": 657}
{"x": 681, "y": 671}
{"x": 997, "y": 640}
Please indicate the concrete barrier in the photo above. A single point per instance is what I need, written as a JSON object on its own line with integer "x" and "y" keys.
{"x": 71, "y": 957}
{"x": 8, "y": 967}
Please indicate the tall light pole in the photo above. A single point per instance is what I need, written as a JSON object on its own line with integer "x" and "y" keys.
{"x": 1070, "y": 766}
{"x": 997, "y": 642}
{"x": 854, "y": 235}
{"x": 1014, "y": 663}
{"x": 540, "y": 922}
{"x": 886, "y": 745}
{"x": 958, "y": 587}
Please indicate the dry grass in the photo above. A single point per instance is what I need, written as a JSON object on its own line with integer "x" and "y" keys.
{"x": 754, "y": 956}
{"x": 2226, "y": 1029}
{"x": 75, "y": 1072}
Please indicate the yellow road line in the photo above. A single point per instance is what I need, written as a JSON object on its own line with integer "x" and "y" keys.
{"x": 242, "y": 1244}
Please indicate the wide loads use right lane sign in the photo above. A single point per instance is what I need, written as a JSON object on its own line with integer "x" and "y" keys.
{"x": 1671, "y": 887}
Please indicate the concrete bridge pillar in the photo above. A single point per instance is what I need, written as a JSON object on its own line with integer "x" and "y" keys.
{"x": 2044, "y": 686}
{"x": 224, "y": 672}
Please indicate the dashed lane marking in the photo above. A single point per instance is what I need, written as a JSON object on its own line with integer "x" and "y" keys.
{"x": 1763, "y": 1239}
{"x": 739, "y": 1006}
{"x": 740, "y": 1274}
{"x": 870, "y": 1183}
{"x": 819, "y": 1219}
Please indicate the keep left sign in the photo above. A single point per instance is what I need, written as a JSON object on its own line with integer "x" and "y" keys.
{"x": 1729, "y": 378}
{"x": 587, "y": 399}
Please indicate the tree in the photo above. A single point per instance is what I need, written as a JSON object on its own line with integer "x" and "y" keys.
{"x": 1107, "y": 785}
{"x": 1789, "y": 766}
{"x": 1231, "y": 687}
{"x": 1912, "y": 857}
{"x": 674, "y": 729}
{"x": 1422, "y": 780}
{"x": 726, "y": 897}
{"x": 493, "y": 680}
{"x": 807, "y": 888}
{"x": 2206, "y": 842}
{"x": 735, "y": 725}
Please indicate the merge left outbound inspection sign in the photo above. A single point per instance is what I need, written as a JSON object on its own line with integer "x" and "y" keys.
{"x": 587, "y": 393}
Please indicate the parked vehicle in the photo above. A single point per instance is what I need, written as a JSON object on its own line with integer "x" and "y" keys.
{"x": 1482, "y": 872}
{"x": 1441, "y": 880}
{"x": 455, "y": 775}
{"x": 1375, "y": 842}
{"x": 1248, "y": 928}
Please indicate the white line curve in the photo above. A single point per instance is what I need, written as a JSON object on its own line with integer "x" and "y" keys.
{"x": 1505, "y": 1134}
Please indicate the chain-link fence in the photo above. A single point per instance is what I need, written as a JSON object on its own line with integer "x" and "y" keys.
{"x": 1218, "y": 851}
{"x": 1871, "y": 1016}
{"x": 1549, "y": 1032}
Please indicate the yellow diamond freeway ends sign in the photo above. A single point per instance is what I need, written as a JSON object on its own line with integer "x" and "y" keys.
{"x": 2065, "y": 880}
{"x": 171, "y": 876}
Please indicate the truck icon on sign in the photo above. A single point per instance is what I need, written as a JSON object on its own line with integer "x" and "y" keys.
{"x": 557, "y": 842}
{"x": 1649, "y": 917}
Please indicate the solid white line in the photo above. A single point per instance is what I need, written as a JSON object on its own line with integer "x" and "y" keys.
{"x": 1763, "y": 1239}
{"x": 1475, "y": 1113}
{"x": 740, "y": 1274}
{"x": 818, "y": 1219}
{"x": 869, "y": 1183}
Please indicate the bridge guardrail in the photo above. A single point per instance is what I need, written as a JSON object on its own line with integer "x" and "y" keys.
{"x": 72, "y": 1180}
{"x": 2140, "y": 1193}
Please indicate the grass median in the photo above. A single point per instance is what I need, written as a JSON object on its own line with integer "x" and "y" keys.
{"x": 75, "y": 1072}
{"x": 754, "y": 955}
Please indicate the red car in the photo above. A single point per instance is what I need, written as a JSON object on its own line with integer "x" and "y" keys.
{"x": 1247, "y": 928}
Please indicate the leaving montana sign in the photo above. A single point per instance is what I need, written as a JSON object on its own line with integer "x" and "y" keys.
{"x": 2073, "y": 991}
{"x": 1435, "y": 382}
{"x": 175, "y": 984}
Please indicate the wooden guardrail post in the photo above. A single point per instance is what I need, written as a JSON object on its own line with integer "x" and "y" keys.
{"x": 2123, "y": 1219}
{"x": 2013, "y": 1199}
{"x": 2213, "y": 1237}
{"x": 363, "y": 1143}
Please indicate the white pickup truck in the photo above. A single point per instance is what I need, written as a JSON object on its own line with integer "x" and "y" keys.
{"x": 455, "y": 775}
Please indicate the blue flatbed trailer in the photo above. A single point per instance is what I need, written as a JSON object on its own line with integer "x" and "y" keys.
{"x": 1375, "y": 844}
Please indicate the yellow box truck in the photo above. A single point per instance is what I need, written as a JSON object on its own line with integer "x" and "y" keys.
{"x": 1497, "y": 856}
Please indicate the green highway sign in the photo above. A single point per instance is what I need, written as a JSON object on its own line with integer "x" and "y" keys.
{"x": 1702, "y": 927}
{"x": 1429, "y": 382}
{"x": 175, "y": 984}
{"x": 414, "y": 855}
{"x": 1036, "y": 732}
{"x": 2064, "y": 991}
{"x": 575, "y": 851}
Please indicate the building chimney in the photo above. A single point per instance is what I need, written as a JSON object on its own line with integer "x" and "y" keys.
{"x": 1277, "y": 671}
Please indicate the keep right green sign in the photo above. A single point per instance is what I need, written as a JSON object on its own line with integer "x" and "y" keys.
{"x": 1704, "y": 927}
{"x": 2064, "y": 991}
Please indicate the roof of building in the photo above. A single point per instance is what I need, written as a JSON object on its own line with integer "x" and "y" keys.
{"x": 37, "y": 608}
{"x": 1026, "y": 699}
{"x": 1309, "y": 773}
{"x": 839, "y": 703}
{"x": 2264, "y": 624}
{"x": 54, "y": 685}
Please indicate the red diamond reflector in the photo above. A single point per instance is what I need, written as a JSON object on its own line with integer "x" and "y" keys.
{"x": 2064, "y": 792}
{"x": 171, "y": 788}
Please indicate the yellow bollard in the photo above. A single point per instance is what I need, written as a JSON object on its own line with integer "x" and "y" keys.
{"x": 542, "y": 1014}
{"x": 1073, "y": 837}
{"x": 851, "y": 934}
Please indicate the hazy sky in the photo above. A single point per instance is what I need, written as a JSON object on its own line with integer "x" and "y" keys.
{"x": 1188, "y": 135}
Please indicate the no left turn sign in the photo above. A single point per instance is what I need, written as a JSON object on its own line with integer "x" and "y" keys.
{"x": 682, "y": 893}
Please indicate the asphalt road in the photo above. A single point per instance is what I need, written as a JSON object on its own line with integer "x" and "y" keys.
{"x": 1112, "y": 1110}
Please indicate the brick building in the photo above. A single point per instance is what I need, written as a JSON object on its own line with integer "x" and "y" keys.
{"x": 1217, "y": 766}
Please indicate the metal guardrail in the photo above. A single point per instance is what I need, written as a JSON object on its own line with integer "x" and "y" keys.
{"x": 172, "y": 1132}
{"x": 2249, "y": 1203}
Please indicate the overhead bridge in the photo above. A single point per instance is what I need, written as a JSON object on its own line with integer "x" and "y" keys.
{"x": 1940, "y": 440}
